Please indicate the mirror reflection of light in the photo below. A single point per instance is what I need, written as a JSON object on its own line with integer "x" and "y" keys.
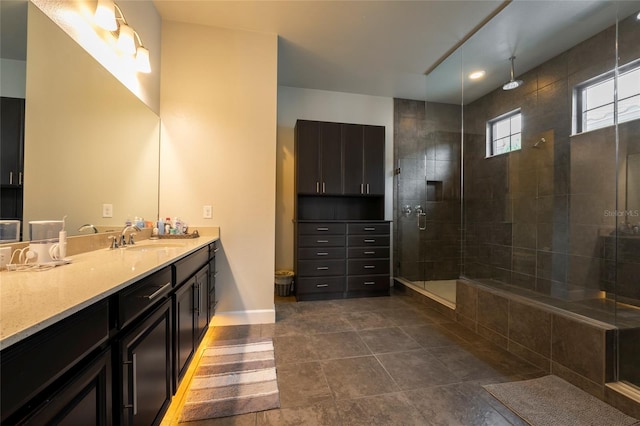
{"x": 101, "y": 44}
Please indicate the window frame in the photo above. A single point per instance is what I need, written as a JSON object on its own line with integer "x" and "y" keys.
{"x": 578, "y": 96}
{"x": 489, "y": 132}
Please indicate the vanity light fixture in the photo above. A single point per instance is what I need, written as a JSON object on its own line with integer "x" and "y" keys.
{"x": 106, "y": 18}
{"x": 475, "y": 75}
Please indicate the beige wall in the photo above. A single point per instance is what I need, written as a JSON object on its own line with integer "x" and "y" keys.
{"x": 75, "y": 17}
{"x": 309, "y": 104}
{"x": 218, "y": 147}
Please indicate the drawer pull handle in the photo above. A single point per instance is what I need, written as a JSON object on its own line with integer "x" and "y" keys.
{"x": 322, "y": 285}
{"x": 369, "y": 252}
{"x": 322, "y": 268}
{"x": 369, "y": 241}
{"x": 158, "y": 291}
{"x": 216, "y": 250}
{"x": 321, "y": 253}
{"x": 369, "y": 267}
{"x": 370, "y": 228}
{"x": 322, "y": 241}
{"x": 369, "y": 282}
{"x": 322, "y": 229}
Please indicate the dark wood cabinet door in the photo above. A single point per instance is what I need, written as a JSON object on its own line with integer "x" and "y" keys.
{"x": 184, "y": 327}
{"x": 374, "y": 160}
{"x": 11, "y": 140}
{"x": 307, "y": 152}
{"x": 331, "y": 158}
{"x": 83, "y": 400}
{"x": 201, "y": 293}
{"x": 352, "y": 139}
{"x": 146, "y": 369}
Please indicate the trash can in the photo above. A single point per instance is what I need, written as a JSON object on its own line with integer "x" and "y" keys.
{"x": 284, "y": 282}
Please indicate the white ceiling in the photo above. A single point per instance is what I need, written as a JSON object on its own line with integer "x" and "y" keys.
{"x": 384, "y": 48}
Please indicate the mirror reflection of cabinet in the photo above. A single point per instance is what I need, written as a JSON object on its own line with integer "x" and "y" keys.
{"x": 11, "y": 157}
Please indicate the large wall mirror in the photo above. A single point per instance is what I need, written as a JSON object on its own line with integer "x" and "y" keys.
{"x": 89, "y": 141}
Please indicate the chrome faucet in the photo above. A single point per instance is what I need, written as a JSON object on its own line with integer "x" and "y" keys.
{"x": 88, "y": 226}
{"x": 123, "y": 240}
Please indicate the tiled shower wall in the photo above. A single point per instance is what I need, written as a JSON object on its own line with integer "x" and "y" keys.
{"x": 537, "y": 218}
{"x": 427, "y": 152}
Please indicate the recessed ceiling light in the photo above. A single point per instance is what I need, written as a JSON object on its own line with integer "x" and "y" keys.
{"x": 477, "y": 74}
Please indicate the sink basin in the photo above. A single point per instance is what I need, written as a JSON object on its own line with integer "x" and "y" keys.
{"x": 153, "y": 247}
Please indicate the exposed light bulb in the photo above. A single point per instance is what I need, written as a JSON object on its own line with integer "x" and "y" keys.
{"x": 125, "y": 39}
{"x": 105, "y": 15}
{"x": 142, "y": 60}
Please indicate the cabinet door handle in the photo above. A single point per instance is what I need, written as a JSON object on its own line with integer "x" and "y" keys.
{"x": 322, "y": 285}
{"x": 10, "y": 178}
{"x": 135, "y": 385}
{"x": 369, "y": 267}
{"x": 134, "y": 391}
{"x": 367, "y": 188}
{"x": 369, "y": 252}
{"x": 322, "y": 268}
{"x": 322, "y": 253}
{"x": 196, "y": 299}
{"x": 370, "y": 228}
{"x": 20, "y": 178}
{"x": 322, "y": 241}
{"x": 317, "y": 187}
{"x": 369, "y": 241}
{"x": 362, "y": 188}
{"x": 369, "y": 282}
{"x": 322, "y": 228}
{"x": 323, "y": 188}
{"x": 158, "y": 291}
{"x": 216, "y": 250}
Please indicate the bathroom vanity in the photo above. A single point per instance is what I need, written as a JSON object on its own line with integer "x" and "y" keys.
{"x": 106, "y": 339}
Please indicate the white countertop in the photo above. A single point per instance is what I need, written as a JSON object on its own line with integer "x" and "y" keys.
{"x": 31, "y": 301}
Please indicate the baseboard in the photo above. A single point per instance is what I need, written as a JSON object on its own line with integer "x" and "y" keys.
{"x": 257, "y": 316}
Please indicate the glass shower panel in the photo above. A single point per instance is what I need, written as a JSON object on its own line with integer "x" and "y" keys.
{"x": 427, "y": 145}
{"x": 622, "y": 248}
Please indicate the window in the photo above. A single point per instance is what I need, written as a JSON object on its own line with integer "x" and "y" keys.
{"x": 594, "y": 100}
{"x": 504, "y": 133}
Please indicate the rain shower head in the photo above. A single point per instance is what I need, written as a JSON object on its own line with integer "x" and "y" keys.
{"x": 512, "y": 84}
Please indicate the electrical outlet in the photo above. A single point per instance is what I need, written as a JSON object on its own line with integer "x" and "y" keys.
{"x": 107, "y": 210}
{"x": 207, "y": 212}
{"x": 5, "y": 256}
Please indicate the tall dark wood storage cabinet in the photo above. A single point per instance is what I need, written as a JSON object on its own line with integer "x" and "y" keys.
{"x": 341, "y": 237}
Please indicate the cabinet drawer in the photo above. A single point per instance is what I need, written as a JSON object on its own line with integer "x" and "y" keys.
{"x": 321, "y": 253}
{"x": 368, "y": 252}
{"x": 320, "y": 285}
{"x": 368, "y": 240}
{"x": 188, "y": 266}
{"x": 320, "y": 268}
{"x": 321, "y": 241}
{"x": 368, "y": 283}
{"x": 368, "y": 228}
{"x": 321, "y": 228}
{"x": 134, "y": 300}
{"x": 368, "y": 266}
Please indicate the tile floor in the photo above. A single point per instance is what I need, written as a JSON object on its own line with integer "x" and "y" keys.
{"x": 378, "y": 361}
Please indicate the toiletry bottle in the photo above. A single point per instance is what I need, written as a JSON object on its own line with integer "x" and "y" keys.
{"x": 167, "y": 226}
{"x": 160, "y": 227}
{"x": 177, "y": 223}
